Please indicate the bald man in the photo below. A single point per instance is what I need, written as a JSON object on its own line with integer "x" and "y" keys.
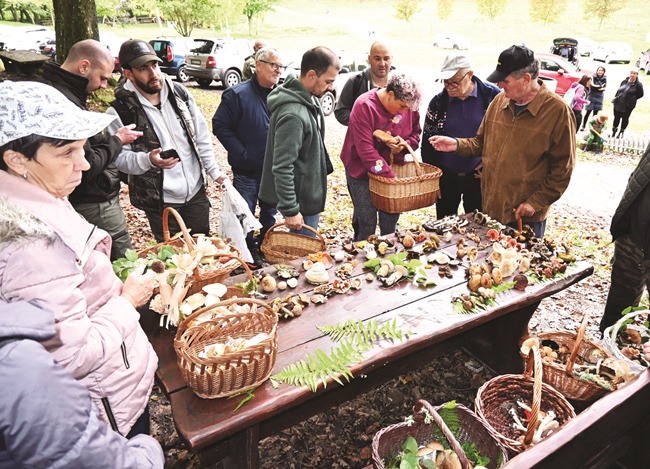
{"x": 87, "y": 68}
{"x": 375, "y": 76}
{"x": 249, "y": 62}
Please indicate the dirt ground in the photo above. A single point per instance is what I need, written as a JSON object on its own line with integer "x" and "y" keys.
{"x": 342, "y": 436}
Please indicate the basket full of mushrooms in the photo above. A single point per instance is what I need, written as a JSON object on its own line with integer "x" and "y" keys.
{"x": 227, "y": 348}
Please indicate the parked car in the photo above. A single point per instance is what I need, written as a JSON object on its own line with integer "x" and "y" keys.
{"x": 217, "y": 59}
{"x": 49, "y": 48}
{"x": 172, "y": 51}
{"x": 26, "y": 38}
{"x": 551, "y": 83}
{"x": 586, "y": 46}
{"x": 563, "y": 72}
{"x": 328, "y": 100}
{"x": 450, "y": 41}
{"x": 644, "y": 62}
{"x": 567, "y": 48}
{"x": 609, "y": 52}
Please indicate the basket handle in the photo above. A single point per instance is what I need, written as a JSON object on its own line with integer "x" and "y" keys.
{"x": 464, "y": 462}
{"x": 576, "y": 346}
{"x": 418, "y": 169}
{"x": 165, "y": 226}
{"x": 309, "y": 228}
{"x": 534, "y": 361}
{"x": 242, "y": 262}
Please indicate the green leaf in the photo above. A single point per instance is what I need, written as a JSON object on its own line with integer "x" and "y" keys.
{"x": 166, "y": 252}
{"x": 131, "y": 255}
{"x": 249, "y": 395}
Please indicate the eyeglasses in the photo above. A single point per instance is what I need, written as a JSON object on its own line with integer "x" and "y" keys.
{"x": 454, "y": 84}
{"x": 274, "y": 66}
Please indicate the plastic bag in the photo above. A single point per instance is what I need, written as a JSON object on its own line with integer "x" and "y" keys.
{"x": 236, "y": 220}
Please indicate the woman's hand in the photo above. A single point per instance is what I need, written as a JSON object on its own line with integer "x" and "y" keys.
{"x": 397, "y": 146}
{"x": 138, "y": 286}
{"x": 646, "y": 352}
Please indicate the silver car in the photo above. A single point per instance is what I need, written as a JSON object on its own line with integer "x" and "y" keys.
{"x": 217, "y": 59}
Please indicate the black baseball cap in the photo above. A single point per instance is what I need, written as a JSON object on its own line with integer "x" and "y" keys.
{"x": 135, "y": 53}
{"x": 512, "y": 59}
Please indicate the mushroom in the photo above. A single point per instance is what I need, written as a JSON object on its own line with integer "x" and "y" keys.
{"x": 528, "y": 344}
{"x": 448, "y": 459}
{"x": 268, "y": 284}
{"x": 216, "y": 289}
{"x": 317, "y": 274}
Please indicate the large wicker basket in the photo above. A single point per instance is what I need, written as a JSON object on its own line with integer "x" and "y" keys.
{"x": 493, "y": 397}
{"x": 415, "y": 185}
{"x": 234, "y": 372}
{"x": 561, "y": 377}
{"x": 203, "y": 275}
{"x": 281, "y": 245}
{"x": 609, "y": 340}
{"x": 388, "y": 441}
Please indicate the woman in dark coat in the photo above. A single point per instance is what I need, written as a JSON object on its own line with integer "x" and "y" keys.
{"x": 630, "y": 91}
{"x": 596, "y": 94}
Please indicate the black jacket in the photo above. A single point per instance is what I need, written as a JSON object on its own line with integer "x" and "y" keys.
{"x": 632, "y": 216}
{"x": 354, "y": 88}
{"x": 102, "y": 181}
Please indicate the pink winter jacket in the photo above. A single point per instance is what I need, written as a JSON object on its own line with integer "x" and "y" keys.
{"x": 51, "y": 256}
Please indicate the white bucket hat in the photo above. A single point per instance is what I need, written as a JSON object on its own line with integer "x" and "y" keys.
{"x": 28, "y": 107}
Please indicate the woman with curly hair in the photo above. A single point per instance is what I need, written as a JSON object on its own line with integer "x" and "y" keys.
{"x": 392, "y": 109}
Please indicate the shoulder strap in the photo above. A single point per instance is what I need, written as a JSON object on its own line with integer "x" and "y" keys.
{"x": 181, "y": 92}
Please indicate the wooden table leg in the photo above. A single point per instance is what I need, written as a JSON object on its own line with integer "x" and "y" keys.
{"x": 244, "y": 449}
{"x": 498, "y": 344}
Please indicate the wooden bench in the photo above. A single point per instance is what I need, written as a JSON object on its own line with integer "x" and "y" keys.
{"x": 22, "y": 61}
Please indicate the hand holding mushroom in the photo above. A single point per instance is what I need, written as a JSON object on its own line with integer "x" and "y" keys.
{"x": 138, "y": 286}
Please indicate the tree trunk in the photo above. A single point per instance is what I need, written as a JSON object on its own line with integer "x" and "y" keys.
{"x": 75, "y": 20}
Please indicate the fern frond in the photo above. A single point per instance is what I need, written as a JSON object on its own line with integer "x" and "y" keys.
{"x": 364, "y": 332}
{"x": 320, "y": 366}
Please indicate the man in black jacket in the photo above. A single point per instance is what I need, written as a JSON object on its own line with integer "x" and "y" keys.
{"x": 630, "y": 230}
{"x": 376, "y": 75}
{"x": 86, "y": 69}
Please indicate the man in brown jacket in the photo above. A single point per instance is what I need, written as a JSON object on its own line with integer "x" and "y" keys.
{"x": 527, "y": 139}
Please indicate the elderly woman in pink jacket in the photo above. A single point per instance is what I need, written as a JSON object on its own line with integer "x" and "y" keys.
{"x": 50, "y": 256}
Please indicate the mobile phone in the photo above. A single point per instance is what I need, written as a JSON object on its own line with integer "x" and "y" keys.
{"x": 171, "y": 153}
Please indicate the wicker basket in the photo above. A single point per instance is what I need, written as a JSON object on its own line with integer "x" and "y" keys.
{"x": 415, "y": 185}
{"x": 202, "y": 276}
{"x": 388, "y": 441}
{"x": 494, "y": 394}
{"x": 561, "y": 376}
{"x": 280, "y": 245}
{"x": 609, "y": 340}
{"x": 233, "y": 372}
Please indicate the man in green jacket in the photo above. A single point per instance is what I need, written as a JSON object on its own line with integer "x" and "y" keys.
{"x": 296, "y": 165}
{"x": 527, "y": 139}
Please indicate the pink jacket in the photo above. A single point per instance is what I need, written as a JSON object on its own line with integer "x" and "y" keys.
{"x": 51, "y": 256}
{"x": 580, "y": 98}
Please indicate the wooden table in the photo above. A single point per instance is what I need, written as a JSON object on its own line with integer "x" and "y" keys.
{"x": 22, "y": 61}
{"x": 211, "y": 426}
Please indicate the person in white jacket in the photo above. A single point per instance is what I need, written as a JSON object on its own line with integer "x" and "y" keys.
{"x": 47, "y": 419}
{"x": 165, "y": 165}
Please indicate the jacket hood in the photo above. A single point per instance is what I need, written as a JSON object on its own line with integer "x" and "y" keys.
{"x": 291, "y": 91}
{"x": 25, "y": 321}
{"x": 28, "y": 211}
{"x": 17, "y": 223}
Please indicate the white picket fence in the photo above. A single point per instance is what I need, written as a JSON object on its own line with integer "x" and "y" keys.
{"x": 633, "y": 144}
